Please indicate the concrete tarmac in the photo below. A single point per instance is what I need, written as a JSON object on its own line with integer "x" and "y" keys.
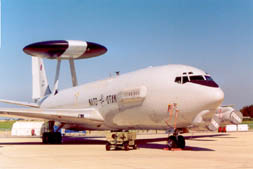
{"x": 203, "y": 151}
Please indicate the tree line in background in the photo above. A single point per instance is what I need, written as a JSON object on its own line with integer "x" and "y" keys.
{"x": 247, "y": 111}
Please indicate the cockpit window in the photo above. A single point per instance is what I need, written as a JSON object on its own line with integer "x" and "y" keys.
{"x": 192, "y": 78}
{"x": 197, "y": 79}
{"x": 178, "y": 80}
{"x": 208, "y": 78}
{"x": 208, "y": 81}
{"x": 185, "y": 79}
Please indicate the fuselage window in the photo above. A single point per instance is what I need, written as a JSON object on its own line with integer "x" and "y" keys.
{"x": 185, "y": 79}
{"x": 196, "y": 78}
{"x": 178, "y": 80}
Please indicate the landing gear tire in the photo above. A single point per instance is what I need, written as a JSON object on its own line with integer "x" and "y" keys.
{"x": 45, "y": 138}
{"x": 172, "y": 142}
{"x": 126, "y": 146}
{"x": 108, "y": 146}
{"x": 135, "y": 147}
{"x": 176, "y": 142}
{"x": 180, "y": 142}
{"x": 58, "y": 138}
{"x": 51, "y": 138}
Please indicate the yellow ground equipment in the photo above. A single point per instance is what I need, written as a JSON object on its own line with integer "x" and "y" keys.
{"x": 121, "y": 140}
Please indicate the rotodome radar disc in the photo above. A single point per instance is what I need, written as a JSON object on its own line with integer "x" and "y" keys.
{"x": 65, "y": 49}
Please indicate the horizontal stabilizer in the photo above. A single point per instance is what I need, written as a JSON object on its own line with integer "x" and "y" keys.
{"x": 26, "y": 104}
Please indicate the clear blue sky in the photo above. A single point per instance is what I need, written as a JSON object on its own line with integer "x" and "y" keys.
{"x": 214, "y": 35}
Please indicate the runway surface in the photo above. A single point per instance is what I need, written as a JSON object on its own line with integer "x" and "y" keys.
{"x": 204, "y": 150}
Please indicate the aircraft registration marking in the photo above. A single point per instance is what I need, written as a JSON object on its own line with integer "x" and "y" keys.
{"x": 109, "y": 99}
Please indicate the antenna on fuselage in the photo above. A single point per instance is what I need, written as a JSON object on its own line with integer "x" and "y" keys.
{"x": 117, "y": 73}
{"x": 65, "y": 50}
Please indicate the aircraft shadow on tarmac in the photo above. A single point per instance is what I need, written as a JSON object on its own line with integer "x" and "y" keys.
{"x": 200, "y": 137}
{"x": 142, "y": 143}
{"x": 147, "y": 143}
{"x": 163, "y": 146}
{"x": 84, "y": 140}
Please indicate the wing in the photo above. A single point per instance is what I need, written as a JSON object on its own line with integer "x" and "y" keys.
{"x": 71, "y": 116}
{"x": 26, "y": 104}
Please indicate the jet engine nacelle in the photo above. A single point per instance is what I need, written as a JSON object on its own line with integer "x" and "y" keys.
{"x": 212, "y": 120}
{"x": 65, "y": 49}
{"x": 225, "y": 114}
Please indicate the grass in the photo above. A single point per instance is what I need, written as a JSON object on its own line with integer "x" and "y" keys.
{"x": 249, "y": 122}
{"x": 6, "y": 125}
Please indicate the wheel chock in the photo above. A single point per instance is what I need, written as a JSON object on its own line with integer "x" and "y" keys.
{"x": 173, "y": 149}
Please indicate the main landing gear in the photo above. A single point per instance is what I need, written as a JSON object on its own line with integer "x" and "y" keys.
{"x": 176, "y": 141}
{"x": 51, "y": 137}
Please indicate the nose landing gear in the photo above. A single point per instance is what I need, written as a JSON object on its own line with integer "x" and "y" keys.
{"x": 176, "y": 141}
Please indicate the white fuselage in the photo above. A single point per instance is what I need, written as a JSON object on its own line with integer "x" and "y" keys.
{"x": 145, "y": 99}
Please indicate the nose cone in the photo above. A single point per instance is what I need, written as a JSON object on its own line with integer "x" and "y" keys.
{"x": 215, "y": 97}
{"x": 219, "y": 95}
